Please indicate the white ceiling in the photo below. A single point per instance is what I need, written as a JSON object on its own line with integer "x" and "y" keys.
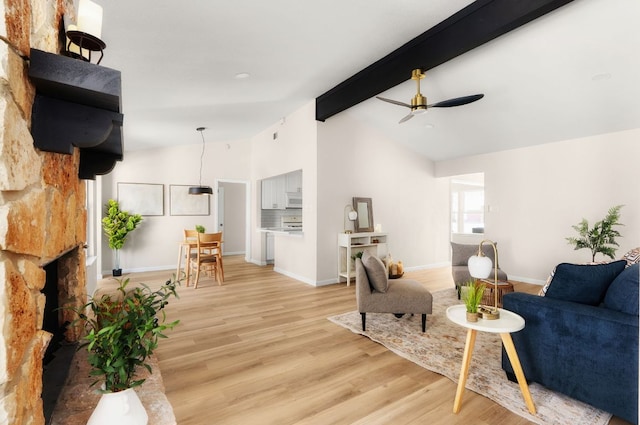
{"x": 571, "y": 73}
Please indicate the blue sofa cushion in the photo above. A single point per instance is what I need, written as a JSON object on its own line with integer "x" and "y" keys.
{"x": 622, "y": 294}
{"x": 583, "y": 283}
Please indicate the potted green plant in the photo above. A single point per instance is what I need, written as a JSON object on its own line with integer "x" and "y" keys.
{"x": 471, "y": 294}
{"x": 601, "y": 238}
{"x": 121, "y": 331}
{"x": 200, "y": 228}
{"x": 117, "y": 224}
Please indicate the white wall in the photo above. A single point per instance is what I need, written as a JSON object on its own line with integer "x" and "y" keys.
{"x": 154, "y": 244}
{"x": 293, "y": 149}
{"x": 534, "y": 195}
{"x": 408, "y": 201}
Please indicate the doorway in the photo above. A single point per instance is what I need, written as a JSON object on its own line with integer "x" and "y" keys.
{"x": 232, "y": 212}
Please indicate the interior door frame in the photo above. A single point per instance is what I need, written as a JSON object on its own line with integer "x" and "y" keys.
{"x": 247, "y": 209}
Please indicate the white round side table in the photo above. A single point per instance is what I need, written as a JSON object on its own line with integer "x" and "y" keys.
{"x": 507, "y": 323}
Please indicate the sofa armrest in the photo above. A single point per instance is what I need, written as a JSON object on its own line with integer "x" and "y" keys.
{"x": 587, "y": 352}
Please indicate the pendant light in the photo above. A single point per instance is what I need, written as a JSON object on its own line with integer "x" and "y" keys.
{"x": 200, "y": 189}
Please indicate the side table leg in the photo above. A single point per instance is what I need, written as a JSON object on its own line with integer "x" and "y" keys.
{"x": 464, "y": 371}
{"x": 517, "y": 368}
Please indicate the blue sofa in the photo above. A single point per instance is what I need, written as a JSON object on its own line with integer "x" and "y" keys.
{"x": 581, "y": 339}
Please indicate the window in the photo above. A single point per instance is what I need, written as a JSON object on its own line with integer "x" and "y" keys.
{"x": 467, "y": 204}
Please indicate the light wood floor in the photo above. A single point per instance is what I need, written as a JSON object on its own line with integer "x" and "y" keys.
{"x": 260, "y": 350}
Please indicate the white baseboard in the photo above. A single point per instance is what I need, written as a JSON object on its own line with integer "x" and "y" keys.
{"x": 294, "y": 276}
{"x": 527, "y": 280}
{"x": 428, "y": 266}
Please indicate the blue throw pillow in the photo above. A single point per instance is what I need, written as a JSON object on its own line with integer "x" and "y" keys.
{"x": 583, "y": 283}
{"x": 622, "y": 294}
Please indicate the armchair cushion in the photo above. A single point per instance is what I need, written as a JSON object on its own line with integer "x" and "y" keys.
{"x": 622, "y": 294}
{"x": 376, "y": 272}
{"x": 583, "y": 283}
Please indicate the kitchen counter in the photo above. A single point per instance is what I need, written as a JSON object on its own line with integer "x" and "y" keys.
{"x": 282, "y": 231}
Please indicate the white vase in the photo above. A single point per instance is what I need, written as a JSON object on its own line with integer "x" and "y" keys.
{"x": 121, "y": 408}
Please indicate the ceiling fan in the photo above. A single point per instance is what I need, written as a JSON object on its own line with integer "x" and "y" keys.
{"x": 419, "y": 102}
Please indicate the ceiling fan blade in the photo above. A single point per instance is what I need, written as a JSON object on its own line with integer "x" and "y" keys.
{"x": 395, "y": 102}
{"x": 406, "y": 118}
{"x": 458, "y": 101}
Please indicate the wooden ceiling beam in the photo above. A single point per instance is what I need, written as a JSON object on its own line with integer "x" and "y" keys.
{"x": 476, "y": 24}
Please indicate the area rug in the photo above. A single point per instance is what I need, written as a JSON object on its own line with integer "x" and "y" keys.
{"x": 440, "y": 350}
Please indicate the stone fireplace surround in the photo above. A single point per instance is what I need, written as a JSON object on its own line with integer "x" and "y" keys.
{"x": 42, "y": 217}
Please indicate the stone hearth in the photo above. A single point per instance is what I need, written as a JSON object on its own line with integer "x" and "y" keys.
{"x": 78, "y": 399}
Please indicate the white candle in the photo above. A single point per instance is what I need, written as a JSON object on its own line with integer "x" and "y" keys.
{"x": 90, "y": 18}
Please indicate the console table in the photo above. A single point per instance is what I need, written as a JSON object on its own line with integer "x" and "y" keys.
{"x": 351, "y": 243}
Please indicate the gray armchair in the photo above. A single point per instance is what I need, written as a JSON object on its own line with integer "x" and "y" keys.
{"x": 401, "y": 296}
{"x": 460, "y": 254}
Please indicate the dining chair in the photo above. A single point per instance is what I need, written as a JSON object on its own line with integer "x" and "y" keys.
{"x": 189, "y": 245}
{"x": 208, "y": 256}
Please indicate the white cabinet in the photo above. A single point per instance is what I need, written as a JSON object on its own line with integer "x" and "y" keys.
{"x": 293, "y": 181}
{"x": 351, "y": 243}
{"x": 273, "y": 189}
{"x": 270, "y": 248}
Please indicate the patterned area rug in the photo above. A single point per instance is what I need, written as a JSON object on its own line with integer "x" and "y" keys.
{"x": 440, "y": 350}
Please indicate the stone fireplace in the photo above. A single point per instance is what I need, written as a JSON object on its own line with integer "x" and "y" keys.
{"x": 42, "y": 217}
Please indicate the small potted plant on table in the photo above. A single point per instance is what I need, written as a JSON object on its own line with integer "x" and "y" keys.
{"x": 471, "y": 294}
{"x": 122, "y": 331}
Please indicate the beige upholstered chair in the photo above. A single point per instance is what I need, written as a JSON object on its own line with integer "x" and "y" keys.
{"x": 401, "y": 296}
{"x": 460, "y": 254}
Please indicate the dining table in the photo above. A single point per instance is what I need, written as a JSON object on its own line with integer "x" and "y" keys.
{"x": 184, "y": 251}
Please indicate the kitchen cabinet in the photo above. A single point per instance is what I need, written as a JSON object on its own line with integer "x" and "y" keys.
{"x": 270, "y": 248}
{"x": 293, "y": 181}
{"x": 351, "y": 243}
{"x": 273, "y": 193}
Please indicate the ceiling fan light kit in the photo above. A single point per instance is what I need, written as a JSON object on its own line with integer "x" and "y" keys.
{"x": 419, "y": 102}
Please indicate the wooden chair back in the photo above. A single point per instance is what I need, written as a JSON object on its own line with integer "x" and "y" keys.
{"x": 208, "y": 255}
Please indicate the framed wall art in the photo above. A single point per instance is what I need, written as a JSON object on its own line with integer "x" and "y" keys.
{"x": 181, "y": 203}
{"x": 141, "y": 198}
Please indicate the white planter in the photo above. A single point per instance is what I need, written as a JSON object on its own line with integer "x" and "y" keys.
{"x": 121, "y": 408}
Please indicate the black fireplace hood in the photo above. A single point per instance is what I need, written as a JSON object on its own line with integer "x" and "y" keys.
{"x": 77, "y": 104}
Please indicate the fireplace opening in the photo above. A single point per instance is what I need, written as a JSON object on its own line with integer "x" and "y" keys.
{"x": 59, "y": 354}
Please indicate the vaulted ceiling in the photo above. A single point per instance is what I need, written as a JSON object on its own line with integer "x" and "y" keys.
{"x": 570, "y": 73}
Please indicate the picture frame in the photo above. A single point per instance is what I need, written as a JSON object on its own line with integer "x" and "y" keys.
{"x": 146, "y": 199}
{"x": 364, "y": 208}
{"x": 181, "y": 203}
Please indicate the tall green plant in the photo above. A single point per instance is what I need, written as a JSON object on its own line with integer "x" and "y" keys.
{"x": 122, "y": 331}
{"x": 117, "y": 224}
{"x": 601, "y": 238}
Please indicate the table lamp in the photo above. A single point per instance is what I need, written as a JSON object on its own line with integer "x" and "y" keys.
{"x": 351, "y": 215}
{"x": 480, "y": 268}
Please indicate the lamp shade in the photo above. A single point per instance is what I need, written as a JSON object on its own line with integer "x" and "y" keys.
{"x": 200, "y": 190}
{"x": 480, "y": 266}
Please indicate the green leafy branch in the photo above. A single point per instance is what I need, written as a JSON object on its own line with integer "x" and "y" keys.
{"x": 601, "y": 238}
{"x": 122, "y": 330}
{"x": 117, "y": 224}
